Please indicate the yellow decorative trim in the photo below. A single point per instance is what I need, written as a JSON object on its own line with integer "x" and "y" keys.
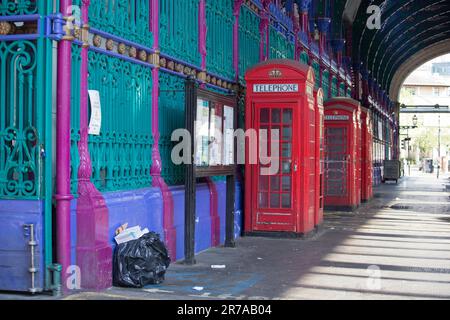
{"x": 154, "y": 59}
{"x": 68, "y": 28}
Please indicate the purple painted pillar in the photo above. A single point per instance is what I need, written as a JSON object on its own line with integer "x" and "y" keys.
{"x": 202, "y": 30}
{"x": 263, "y": 32}
{"x": 94, "y": 253}
{"x": 168, "y": 219}
{"x": 236, "y": 13}
{"x": 63, "y": 195}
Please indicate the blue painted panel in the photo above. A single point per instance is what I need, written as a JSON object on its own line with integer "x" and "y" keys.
{"x": 142, "y": 207}
{"x": 203, "y": 220}
{"x": 238, "y": 209}
{"x": 15, "y": 256}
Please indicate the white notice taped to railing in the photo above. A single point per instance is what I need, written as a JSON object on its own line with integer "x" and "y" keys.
{"x": 95, "y": 123}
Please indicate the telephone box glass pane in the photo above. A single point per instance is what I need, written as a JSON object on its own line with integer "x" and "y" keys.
{"x": 286, "y": 201}
{"x": 287, "y": 116}
{"x": 286, "y": 167}
{"x": 275, "y": 201}
{"x": 276, "y": 116}
{"x": 286, "y": 150}
{"x": 265, "y": 116}
{"x": 286, "y": 181}
{"x": 263, "y": 200}
{"x": 275, "y": 183}
{"x": 287, "y": 133}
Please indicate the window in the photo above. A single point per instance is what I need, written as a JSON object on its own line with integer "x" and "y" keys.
{"x": 436, "y": 92}
{"x": 412, "y": 90}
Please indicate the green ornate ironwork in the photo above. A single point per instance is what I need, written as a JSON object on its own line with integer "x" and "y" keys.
{"x": 248, "y": 40}
{"x": 18, "y": 7}
{"x": 349, "y": 92}
{"x": 21, "y": 122}
{"x": 121, "y": 154}
{"x": 178, "y": 33}
{"x": 171, "y": 117}
{"x": 304, "y": 58}
{"x": 123, "y": 18}
{"x": 219, "y": 39}
{"x": 26, "y": 116}
{"x": 334, "y": 87}
{"x": 316, "y": 67}
{"x": 342, "y": 92}
{"x": 326, "y": 84}
{"x": 280, "y": 46}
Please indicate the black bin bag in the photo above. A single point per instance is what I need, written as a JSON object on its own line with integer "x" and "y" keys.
{"x": 140, "y": 262}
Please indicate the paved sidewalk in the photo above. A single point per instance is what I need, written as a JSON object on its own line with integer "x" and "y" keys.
{"x": 396, "y": 247}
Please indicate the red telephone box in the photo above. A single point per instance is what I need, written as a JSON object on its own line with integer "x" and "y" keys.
{"x": 280, "y": 96}
{"x": 366, "y": 161}
{"x": 320, "y": 166}
{"x": 342, "y": 154}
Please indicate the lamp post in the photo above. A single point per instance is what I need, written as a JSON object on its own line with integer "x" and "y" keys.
{"x": 415, "y": 121}
{"x": 439, "y": 142}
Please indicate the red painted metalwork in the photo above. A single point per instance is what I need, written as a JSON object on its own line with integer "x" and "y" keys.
{"x": 342, "y": 153}
{"x": 280, "y": 95}
{"x": 320, "y": 165}
{"x": 366, "y": 159}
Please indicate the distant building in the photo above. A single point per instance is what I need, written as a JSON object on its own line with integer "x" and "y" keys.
{"x": 425, "y": 88}
{"x": 441, "y": 68}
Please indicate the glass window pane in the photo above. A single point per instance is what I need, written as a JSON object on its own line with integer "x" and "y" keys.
{"x": 287, "y": 150}
{"x": 276, "y": 116}
{"x": 287, "y": 116}
{"x": 286, "y": 183}
{"x": 275, "y": 183}
{"x": 286, "y": 201}
{"x": 263, "y": 183}
{"x": 263, "y": 200}
{"x": 287, "y": 133}
{"x": 265, "y": 115}
{"x": 286, "y": 166}
{"x": 275, "y": 200}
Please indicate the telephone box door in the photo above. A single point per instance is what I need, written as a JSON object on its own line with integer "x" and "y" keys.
{"x": 274, "y": 206}
{"x": 337, "y": 164}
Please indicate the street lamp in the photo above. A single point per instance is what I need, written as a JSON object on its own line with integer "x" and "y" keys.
{"x": 439, "y": 141}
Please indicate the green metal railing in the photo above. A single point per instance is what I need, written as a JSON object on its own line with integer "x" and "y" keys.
{"x": 326, "y": 84}
{"x": 280, "y": 46}
{"x": 342, "y": 92}
{"x": 304, "y": 58}
{"x": 123, "y": 18}
{"x": 121, "y": 154}
{"x": 171, "y": 117}
{"x": 219, "y": 39}
{"x": 248, "y": 40}
{"x": 178, "y": 34}
{"x": 19, "y": 7}
{"x": 334, "y": 87}
{"x": 316, "y": 68}
{"x": 26, "y": 117}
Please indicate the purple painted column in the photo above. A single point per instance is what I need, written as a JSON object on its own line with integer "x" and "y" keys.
{"x": 202, "y": 30}
{"x": 63, "y": 196}
{"x": 94, "y": 253}
{"x": 262, "y": 33}
{"x": 170, "y": 235}
{"x": 236, "y": 13}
